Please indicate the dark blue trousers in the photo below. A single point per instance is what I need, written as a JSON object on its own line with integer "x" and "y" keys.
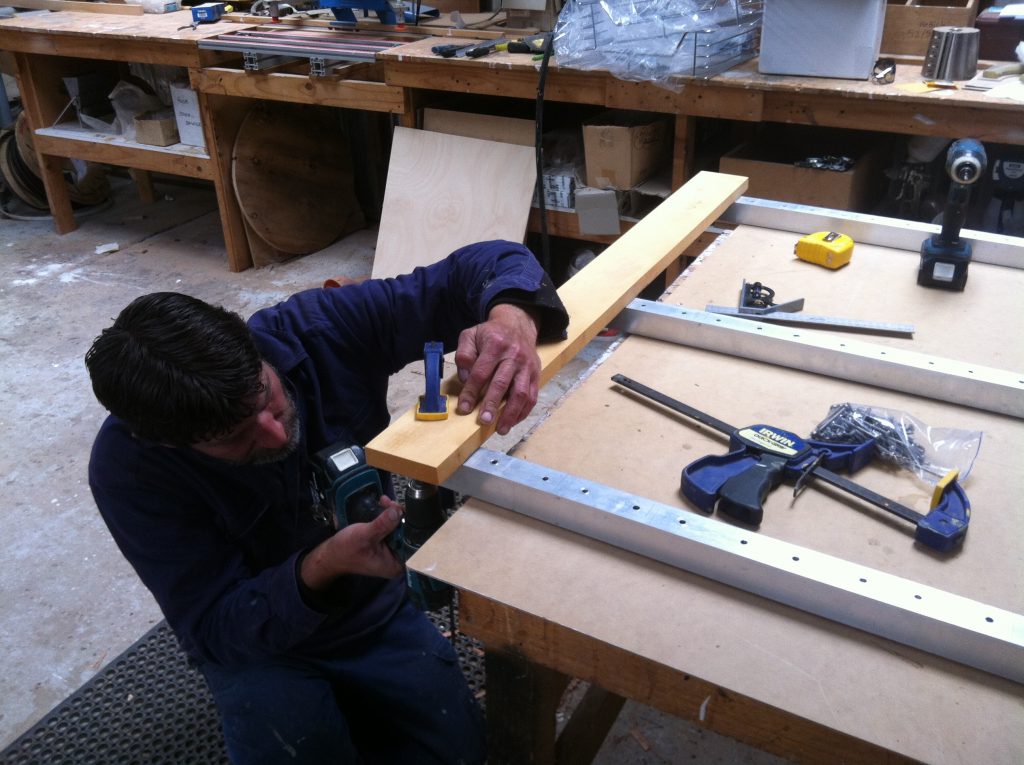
{"x": 398, "y": 697}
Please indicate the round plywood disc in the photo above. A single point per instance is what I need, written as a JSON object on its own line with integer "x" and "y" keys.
{"x": 23, "y": 134}
{"x": 87, "y": 181}
{"x": 22, "y": 182}
{"x": 292, "y": 175}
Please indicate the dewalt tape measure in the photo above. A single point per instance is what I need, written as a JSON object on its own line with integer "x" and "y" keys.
{"x": 825, "y": 248}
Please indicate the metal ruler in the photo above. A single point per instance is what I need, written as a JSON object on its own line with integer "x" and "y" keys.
{"x": 799, "y": 318}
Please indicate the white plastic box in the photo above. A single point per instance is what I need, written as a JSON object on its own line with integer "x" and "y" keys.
{"x": 821, "y": 38}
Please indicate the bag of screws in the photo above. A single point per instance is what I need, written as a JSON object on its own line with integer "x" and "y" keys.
{"x": 903, "y": 440}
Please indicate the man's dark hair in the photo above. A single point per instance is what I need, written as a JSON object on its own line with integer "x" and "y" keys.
{"x": 175, "y": 369}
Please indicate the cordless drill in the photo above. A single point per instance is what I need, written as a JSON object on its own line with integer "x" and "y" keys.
{"x": 945, "y": 256}
{"x": 350, "y": 490}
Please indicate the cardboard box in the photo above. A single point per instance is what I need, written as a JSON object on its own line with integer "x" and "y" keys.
{"x": 559, "y": 189}
{"x": 909, "y": 23}
{"x": 156, "y": 128}
{"x": 186, "y": 115}
{"x": 773, "y": 175}
{"x": 623, "y": 149}
{"x": 486, "y": 126}
{"x": 1000, "y": 36}
{"x": 821, "y": 38}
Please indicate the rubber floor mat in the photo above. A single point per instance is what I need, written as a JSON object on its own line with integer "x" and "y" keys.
{"x": 150, "y": 707}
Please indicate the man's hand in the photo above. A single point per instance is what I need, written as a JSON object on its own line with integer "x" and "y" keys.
{"x": 498, "y": 360}
{"x": 356, "y": 549}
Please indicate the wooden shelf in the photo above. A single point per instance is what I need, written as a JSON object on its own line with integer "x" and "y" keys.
{"x": 72, "y": 140}
{"x": 565, "y": 223}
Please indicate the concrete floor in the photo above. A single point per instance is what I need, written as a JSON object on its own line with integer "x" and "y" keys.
{"x": 69, "y": 603}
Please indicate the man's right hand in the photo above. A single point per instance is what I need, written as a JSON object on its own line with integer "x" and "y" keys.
{"x": 356, "y": 549}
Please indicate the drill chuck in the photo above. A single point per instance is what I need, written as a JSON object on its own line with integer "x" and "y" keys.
{"x": 966, "y": 161}
{"x": 424, "y": 514}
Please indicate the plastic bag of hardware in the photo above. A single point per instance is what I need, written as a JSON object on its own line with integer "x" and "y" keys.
{"x": 657, "y": 40}
{"x": 903, "y": 440}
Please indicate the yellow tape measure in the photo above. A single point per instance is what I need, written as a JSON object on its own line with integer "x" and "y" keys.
{"x": 825, "y": 248}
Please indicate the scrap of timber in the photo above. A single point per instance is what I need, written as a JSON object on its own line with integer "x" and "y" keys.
{"x": 121, "y": 9}
{"x": 432, "y": 451}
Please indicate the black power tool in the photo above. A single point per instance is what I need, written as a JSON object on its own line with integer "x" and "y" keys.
{"x": 945, "y": 256}
{"x": 350, "y": 490}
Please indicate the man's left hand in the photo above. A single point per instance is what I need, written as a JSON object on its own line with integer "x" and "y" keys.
{"x": 498, "y": 360}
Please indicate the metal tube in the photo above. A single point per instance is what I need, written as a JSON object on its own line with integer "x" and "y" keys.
{"x": 936, "y": 621}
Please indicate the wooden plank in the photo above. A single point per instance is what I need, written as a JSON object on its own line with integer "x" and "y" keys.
{"x": 941, "y": 117}
{"x": 506, "y": 629}
{"x": 221, "y": 117}
{"x": 73, "y": 5}
{"x": 153, "y": 38}
{"x": 452, "y": 191}
{"x": 566, "y": 223}
{"x": 522, "y": 700}
{"x": 588, "y": 727}
{"x": 115, "y": 150}
{"x": 294, "y": 88}
{"x": 432, "y": 451}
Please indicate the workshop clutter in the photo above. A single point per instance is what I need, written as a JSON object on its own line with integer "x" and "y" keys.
{"x": 658, "y": 40}
{"x": 156, "y": 128}
{"x": 835, "y": 38}
{"x": 186, "y": 114}
{"x": 623, "y": 149}
{"x": 21, "y": 174}
{"x": 838, "y": 169}
{"x": 909, "y": 23}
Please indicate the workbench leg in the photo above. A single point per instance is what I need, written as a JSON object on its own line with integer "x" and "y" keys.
{"x": 36, "y": 78}
{"x": 522, "y": 699}
{"x": 588, "y": 727}
{"x": 222, "y": 116}
{"x": 144, "y": 182}
{"x": 682, "y": 149}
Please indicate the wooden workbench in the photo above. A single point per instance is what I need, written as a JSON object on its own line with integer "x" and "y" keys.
{"x": 46, "y": 46}
{"x": 49, "y": 46}
{"x": 548, "y": 603}
{"x": 738, "y": 94}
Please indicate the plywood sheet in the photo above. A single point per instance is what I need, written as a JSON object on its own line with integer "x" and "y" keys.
{"x": 848, "y": 680}
{"x": 446, "y": 191}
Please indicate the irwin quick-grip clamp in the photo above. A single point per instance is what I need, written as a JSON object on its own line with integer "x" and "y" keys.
{"x": 762, "y": 456}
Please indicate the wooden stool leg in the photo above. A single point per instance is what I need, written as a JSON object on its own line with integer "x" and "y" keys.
{"x": 144, "y": 181}
{"x": 522, "y": 699}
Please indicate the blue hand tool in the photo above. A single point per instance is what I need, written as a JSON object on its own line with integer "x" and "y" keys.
{"x": 433, "y": 404}
{"x": 761, "y": 457}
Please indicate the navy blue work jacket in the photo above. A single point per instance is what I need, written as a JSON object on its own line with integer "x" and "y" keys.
{"x": 218, "y": 544}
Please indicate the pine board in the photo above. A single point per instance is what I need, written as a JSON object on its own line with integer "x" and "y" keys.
{"x": 432, "y": 451}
